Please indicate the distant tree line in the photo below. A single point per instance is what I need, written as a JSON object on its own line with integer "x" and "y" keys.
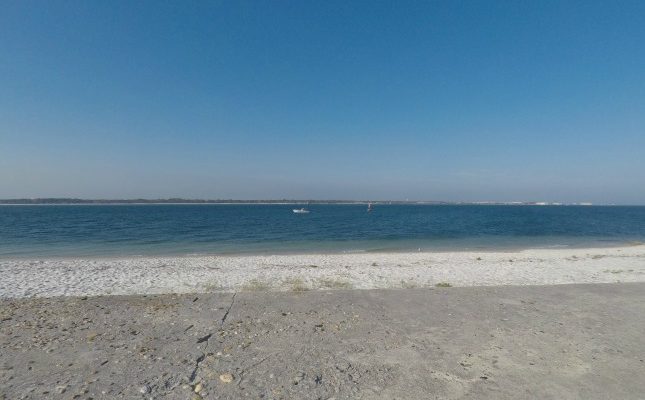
{"x": 177, "y": 200}
{"x": 55, "y": 200}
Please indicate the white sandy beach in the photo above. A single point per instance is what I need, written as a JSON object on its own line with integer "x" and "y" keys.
{"x": 147, "y": 275}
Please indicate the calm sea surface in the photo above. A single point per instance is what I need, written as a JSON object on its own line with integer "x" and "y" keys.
{"x": 123, "y": 230}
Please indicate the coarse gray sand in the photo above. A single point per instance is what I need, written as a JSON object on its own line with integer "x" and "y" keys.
{"x": 511, "y": 342}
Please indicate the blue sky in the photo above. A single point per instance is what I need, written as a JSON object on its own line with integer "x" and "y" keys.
{"x": 437, "y": 100}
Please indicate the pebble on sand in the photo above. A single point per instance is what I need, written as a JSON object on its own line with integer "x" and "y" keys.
{"x": 145, "y": 389}
{"x": 226, "y": 378}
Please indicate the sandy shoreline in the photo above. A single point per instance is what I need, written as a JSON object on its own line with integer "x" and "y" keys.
{"x": 158, "y": 275}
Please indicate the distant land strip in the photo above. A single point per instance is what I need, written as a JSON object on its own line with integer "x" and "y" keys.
{"x": 56, "y": 200}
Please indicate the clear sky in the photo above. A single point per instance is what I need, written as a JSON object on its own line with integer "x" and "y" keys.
{"x": 437, "y": 100}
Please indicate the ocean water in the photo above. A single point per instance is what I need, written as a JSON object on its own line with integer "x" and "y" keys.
{"x": 127, "y": 230}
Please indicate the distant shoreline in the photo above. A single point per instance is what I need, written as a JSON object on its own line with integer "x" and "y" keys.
{"x": 180, "y": 201}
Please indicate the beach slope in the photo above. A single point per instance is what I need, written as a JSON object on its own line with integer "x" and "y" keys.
{"x": 194, "y": 274}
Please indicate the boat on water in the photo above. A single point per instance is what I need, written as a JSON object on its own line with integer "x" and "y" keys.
{"x": 300, "y": 211}
{"x": 369, "y": 207}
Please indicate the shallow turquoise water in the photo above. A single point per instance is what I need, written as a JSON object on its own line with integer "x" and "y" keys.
{"x": 123, "y": 230}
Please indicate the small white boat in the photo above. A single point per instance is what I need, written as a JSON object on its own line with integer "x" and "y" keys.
{"x": 301, "y": 211}
{"x": 369, "y": 207}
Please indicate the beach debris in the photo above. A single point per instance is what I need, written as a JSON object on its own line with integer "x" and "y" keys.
{"x": 193, "y": 375}
{"x": 204, "y": 338}
{"x": 226, "y": 378}
{"x": 228, "y": 310}
{"x": 145, "y": 389}
{"x": 198, "y": 387}
{"x": 299, "y": 377}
